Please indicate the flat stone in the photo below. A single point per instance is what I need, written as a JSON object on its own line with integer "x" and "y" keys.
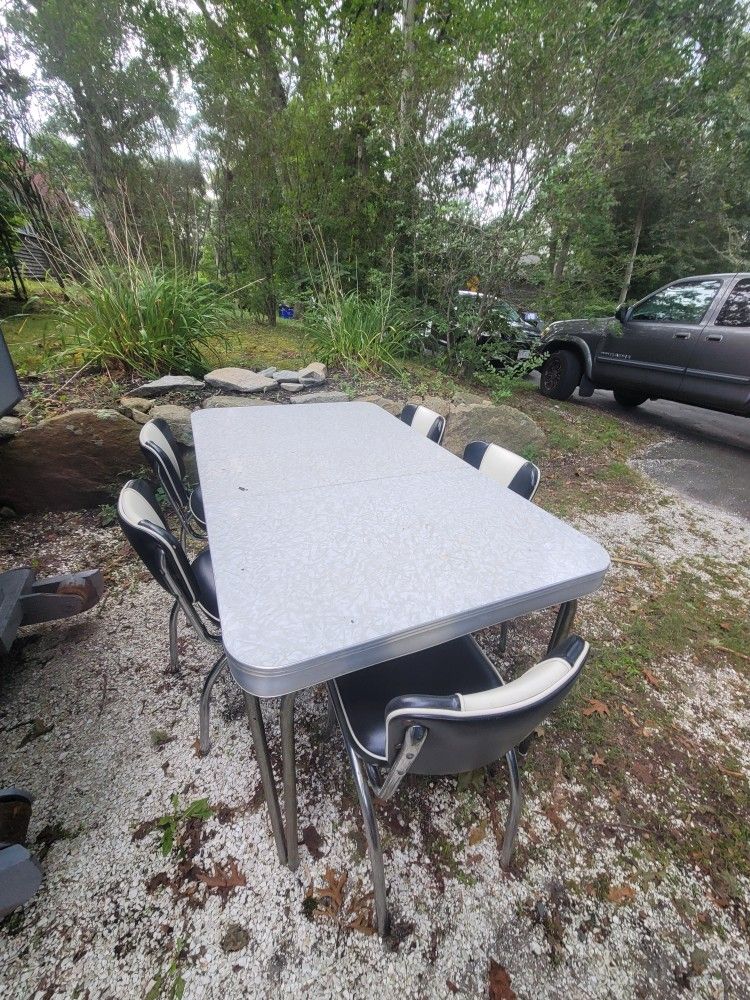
{"x": 139, "y": 417}
{"x": 9, "y": 426}
{"x": 268, "y": 372}
{"x": 136, "y": 403}
{"x": 384, "y": 403}
{"x": 240, "y": 380}
{"x": 321, "y": 397}
{"x": 178, "y": 418}
{"x": 314, "y": 374}
{"x": 222, "y": 401}
{"x": 22, "y": 407}
{"x": 286, "y": 376}
{"x": 292, "y": 386}
{"x": 71, "y": 460}
{"x": 167, "y": 383}
{"x": 503, "y": 425}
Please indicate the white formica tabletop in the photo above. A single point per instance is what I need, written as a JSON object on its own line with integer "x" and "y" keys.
{"x": 340, "y": 538}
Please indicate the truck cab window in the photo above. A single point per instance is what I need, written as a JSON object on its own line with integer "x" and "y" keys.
{"x": 736, "y": 310}
{"x": 685, "y": 302}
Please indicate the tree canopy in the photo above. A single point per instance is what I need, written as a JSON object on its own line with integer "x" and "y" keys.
{"x": 587, "y": 150}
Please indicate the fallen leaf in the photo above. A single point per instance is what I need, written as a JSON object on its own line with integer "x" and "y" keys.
{"x": 499, "y": 983}
{"x": 595, "y": 706}
{"x": 329, "y": 898}
{"x": 621, "y": 894}
{"x": 38, "y": 728}
{"x": 651, "y": 678}
{"x": 727, "y": 626}
{"x": 312, "y": 841}
{"x": 554, "y": 817}
{"x": 360, "y": 914}
{"x": 643, "y": 773}
{"x": 474, "y": 859}
{"x": 222, "y": 878}
{"x": 597, "y": 760}
{"x": 477, "y": 834}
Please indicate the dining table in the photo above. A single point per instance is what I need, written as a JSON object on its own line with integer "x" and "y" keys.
{"x": 341, "y": 538}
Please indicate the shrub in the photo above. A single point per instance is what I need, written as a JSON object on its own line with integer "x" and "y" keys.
{"x": 355, "y": 332}
{"x": 149, "y": 322}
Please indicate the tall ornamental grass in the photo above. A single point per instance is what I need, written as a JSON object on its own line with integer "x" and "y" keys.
{"x": 147, "y": 321}
{"x": 368, "y": 334}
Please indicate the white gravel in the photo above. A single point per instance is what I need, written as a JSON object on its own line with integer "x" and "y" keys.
{"x": 96, "y": 931}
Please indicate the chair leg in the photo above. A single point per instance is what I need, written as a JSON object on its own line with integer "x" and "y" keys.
{"x": 371, "y": 827}
{"x": 563, "y": 624}
{"x": 260, "y": 742}
{"x": 205, "y": 709}
{"x": 514, "y": 811}
{"x": 290, "y": 780}
{"x": 174, "y": 662}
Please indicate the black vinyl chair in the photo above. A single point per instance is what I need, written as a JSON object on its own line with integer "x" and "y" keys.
{"x": 424, "y": 420}
{"x": 163, "y": 454}
{"x": 510, "y": 470}
{"x": 191, "y": 584}
{"x": 507, "y": 468}
{"x": 408, "y": 716}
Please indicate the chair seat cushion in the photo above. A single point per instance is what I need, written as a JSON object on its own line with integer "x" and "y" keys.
{"x": 196, "y": 506}
{"x": 204, "y": 575}
{"x": 455, "y": 667}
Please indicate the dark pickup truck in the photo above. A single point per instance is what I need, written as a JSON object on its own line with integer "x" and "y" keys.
{"x": 688, "y": 341}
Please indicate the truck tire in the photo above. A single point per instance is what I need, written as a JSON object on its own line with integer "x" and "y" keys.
{"x": 560, "y": 374}
{"x": 628, "y": 399}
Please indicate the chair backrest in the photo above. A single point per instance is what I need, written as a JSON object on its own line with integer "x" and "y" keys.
{"x": 424, "y": 420}
{"x": 507, "y": 468}
{"x": 159, "y": 446}
{"x": 472, "y": 730}
{"x": 143, "y": 524}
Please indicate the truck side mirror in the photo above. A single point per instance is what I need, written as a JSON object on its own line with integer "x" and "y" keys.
{"x": 623, "y": 313}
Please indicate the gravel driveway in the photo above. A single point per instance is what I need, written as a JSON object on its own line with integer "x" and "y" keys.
{"x": 590, "y": 910}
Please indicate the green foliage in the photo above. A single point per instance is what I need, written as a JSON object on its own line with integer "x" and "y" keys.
{"x": 148, "y": 321}
{"x": 170, "y": 823}
{"x": 365, "y": 334}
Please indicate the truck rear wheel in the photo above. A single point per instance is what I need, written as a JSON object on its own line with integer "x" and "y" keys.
{"x": 628, "y": 399}
{"x": 560, "y": 374}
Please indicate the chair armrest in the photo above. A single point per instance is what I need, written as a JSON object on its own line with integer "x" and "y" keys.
{"x": 419, "y": 702}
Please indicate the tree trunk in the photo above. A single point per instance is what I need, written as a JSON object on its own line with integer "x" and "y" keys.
{"x": 561, "y": 256}
{"x": 633, "y": 252}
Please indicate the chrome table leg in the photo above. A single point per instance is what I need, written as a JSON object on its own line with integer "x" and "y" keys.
{"x": 174, "y": 664}
{"x": 563, "y": 623}
{"x": 257, "y": 728}
{"x": 290, "y": 779}
{"x": 514, "y": 811}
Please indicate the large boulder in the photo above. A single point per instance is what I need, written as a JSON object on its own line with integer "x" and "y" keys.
{"x": 178, "y": 418}
{"x": 503, "y": 425}
{"x": 71, "y": 460}
{"x": 240, "y": 380}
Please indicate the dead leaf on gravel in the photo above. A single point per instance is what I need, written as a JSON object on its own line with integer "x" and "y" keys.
{"x": 621, "y": 894}
{"x": 595, "y": 706}
{"x": 329, "y": 897}
{"x": 555, "y": 818}
{"x": 651, "y": 678}
{"x": 38, "y": 728}
{"x": 643, "y": 772}
{"x": 598, "y": 761}
{"x": 499, "y": 987}
{"x": 477, "y": 834}
{"x": 360, "y": 914}
{"x": 312, "y": 841}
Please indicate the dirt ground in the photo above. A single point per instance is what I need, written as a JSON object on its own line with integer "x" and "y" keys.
{"x": 632, "y": 872}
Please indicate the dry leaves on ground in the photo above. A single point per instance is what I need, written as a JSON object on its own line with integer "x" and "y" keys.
{"x": 621, "y": 894}
{"x": 499, "y": 986}
{"x": 595, "y": 707}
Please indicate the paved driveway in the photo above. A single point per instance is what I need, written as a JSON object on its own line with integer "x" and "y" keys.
{"x": 706, "y": 457}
